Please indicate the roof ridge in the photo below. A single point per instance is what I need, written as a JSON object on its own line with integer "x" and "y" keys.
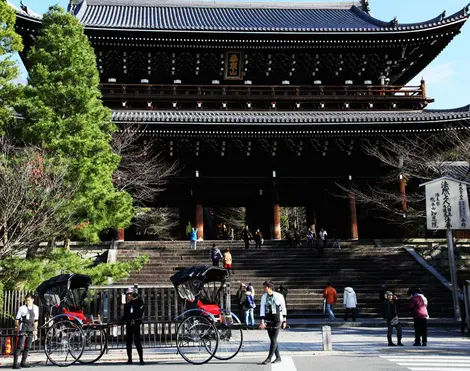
{"x": 283, "y": 4}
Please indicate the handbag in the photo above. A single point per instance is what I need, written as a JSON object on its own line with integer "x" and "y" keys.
{"x": 394, "y": 321}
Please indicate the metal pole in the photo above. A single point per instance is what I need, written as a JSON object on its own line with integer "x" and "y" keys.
{"x": 453, "y": 275}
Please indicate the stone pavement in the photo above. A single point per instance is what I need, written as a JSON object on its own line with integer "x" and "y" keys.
{"x": 297, "y": 342}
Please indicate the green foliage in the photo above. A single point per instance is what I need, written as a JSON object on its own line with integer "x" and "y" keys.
{"x": 64, "y": 114}
{"x": 10, "y": 42}
{"x": 26, "y": 274}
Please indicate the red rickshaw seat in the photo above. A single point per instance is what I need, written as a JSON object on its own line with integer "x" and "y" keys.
{"x": 213, "y": 309}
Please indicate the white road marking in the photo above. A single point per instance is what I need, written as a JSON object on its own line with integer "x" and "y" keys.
{"x": 287, "y": 364}
{"x": 431, "y": 363}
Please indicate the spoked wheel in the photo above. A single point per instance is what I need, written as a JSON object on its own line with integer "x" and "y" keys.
{"x": 64, "y": 343}
{"x": 230, "y": 338}
{"x": 197, "y": 340}
{"x": 96, "y": 343}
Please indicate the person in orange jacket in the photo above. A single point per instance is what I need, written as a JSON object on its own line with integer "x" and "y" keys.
{"x": 331, "y": 296}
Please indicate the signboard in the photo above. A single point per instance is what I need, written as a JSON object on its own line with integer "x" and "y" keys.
{"x": 447, "y": 204}
{"x": 233, "y": 65}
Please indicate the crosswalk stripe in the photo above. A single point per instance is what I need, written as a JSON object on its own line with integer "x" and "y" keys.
{"x": 431, "y": 363}
{"x": 287, "y": 364}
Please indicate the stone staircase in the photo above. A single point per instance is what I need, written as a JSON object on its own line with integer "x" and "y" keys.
{"x": 303, "y": 271}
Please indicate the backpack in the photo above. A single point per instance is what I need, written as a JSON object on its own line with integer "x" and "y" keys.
{"x": 216, "y": 255}
{"x": 249, "y": 302}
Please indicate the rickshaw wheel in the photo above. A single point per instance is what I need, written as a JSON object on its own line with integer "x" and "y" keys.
{"x": 197, "y": 339}
{"x": 230, "y": 340}
{"x": 96, "y": 343}
{"x": 64, "y": 343}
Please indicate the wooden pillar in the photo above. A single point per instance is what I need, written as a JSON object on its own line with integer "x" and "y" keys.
{"x": 120, "y": 234}
{"x": 352, "y": 209}
{"x": 277, "y": 222}
{"x": 200, "y": 222}
{"x": 404, "y": 206}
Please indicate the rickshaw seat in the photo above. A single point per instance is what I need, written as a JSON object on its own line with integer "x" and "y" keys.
{"x": 78, "y": 314}
{"x": 213, "y": 309}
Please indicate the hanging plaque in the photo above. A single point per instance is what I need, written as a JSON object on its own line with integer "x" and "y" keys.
{"x": 233, "y": 65}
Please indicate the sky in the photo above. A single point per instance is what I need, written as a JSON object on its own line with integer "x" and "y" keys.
{"x": 447, "y": 77}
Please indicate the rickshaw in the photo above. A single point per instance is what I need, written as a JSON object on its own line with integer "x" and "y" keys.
{"x": 206, "y": 330}
{"x": 70, "y": 335}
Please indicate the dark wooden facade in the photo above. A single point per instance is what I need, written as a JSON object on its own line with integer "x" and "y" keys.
{"x": 265, "y": 105}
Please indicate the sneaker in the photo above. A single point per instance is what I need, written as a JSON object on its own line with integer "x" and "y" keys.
{"x": 266, "y": 361}
{"x": 392, "y": 345}
{"x": 400, "y": 344}
{"x": 425, "y": 344}
{"x": 416, "y": 344}
{"x": 129, "y": 362}
{"x": 141, "y": 362}
{"x": 277, "y": 360}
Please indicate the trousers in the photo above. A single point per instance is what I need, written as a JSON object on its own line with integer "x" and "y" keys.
{"x": 353, "y": 312}
{"x": 249, "y": 317}
{"x": 421, "y": 330}
{"x": 273, "y": 333}
{"x": 390, "y": 331}
{"x": 25, "y": 339}
{"x": 329, "y": 310}
{"x": 133, "y": 336}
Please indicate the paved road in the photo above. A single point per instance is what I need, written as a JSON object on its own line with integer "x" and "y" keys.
{"x": 301, "y": 363}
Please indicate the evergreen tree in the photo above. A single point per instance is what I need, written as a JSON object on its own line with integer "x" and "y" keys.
{"x": 10, "y": 42}
{"x": 64, "y": 114}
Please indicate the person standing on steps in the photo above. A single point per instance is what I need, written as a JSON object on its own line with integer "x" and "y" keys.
{"x": 350, "y": 303}
{"x": 331, "y": 296}
{"x": 228, "y": 260}
{"x": 239, "y": 296}
{"x": 258, "y": 237}
{"x": 27, "y": 329}
{"x": 391, "y": 316}
{"x": 418, "y": 307}
{"x": 189, "y": 228}
{"x": 216, "y": 255}
{"x": 273, "y": 314}
{"x": 247, "y": 237}
{"x": 193, "y": 238}
{"x": 133, "y": 312}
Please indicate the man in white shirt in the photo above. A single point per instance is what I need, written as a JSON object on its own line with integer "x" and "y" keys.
{"x": 27, "y": 329}
{"x": 273, "y": 315}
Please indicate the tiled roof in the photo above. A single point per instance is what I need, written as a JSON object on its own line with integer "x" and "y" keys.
{"x": 291, "y": 118}
{"x": 204, "y": 15}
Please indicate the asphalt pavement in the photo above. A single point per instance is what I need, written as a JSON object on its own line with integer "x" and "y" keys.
{"x": 361, "y": 349}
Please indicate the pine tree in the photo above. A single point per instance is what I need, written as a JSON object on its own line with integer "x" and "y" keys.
{"x": 10, "y": 42}
{"x": 64, "y": 114}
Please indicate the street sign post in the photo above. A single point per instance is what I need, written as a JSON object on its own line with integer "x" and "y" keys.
{"x": 447, "y": 209}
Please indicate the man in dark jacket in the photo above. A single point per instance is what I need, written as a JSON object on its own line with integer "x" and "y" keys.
{"x": 391, "y": 316}
{"x": 133, "y": 312}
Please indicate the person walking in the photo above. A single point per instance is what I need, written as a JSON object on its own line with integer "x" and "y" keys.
{"x": 189, "y": 228}
{"x": 133, "y": 312}
{"x": 193, "y": 238}
{"x": 331, "y": 296}
{"x": 248, "y": 303}
{"x": 228, "y": 260}
{"x": 273, "y": 314}
{"x": 258, "y": 237}
{"x": 238, "y": 296}
{"x": 350, "y": 303}
{"x": 418, "y": 307}
{"x": 391, "y": 316}
{"x": 26, "y": 329}
{"x": 215, "y": 255}
{"x": 247, "y": 237}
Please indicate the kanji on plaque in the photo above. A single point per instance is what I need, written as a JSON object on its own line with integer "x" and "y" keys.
{"x": 447, "y": 205}
{"x": 234, "y": 65}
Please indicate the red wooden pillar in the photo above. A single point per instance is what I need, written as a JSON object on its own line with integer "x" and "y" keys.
{"x": 120, "y": 234}
{"x": 352, "y": 209}
{"x": 200, "y": 222}
{"x": 404, "y": 206}
{"x": 277, "y": 222}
